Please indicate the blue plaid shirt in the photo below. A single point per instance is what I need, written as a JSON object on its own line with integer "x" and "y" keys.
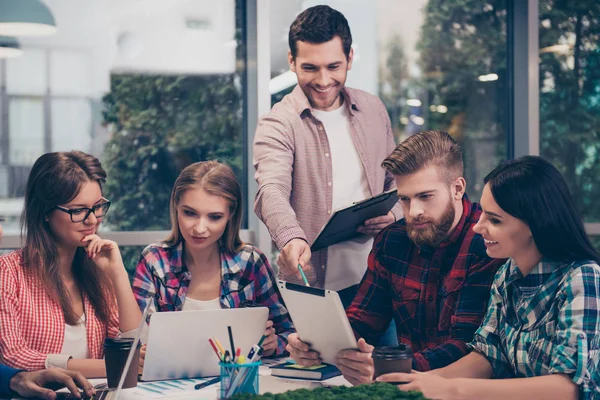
{"x": 547, "y": 322}
{"x": 246, "y": 277}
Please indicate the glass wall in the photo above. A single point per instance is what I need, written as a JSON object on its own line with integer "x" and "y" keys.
{"x": 569, "y": 35}
{"x": 435, "y": 64}
{"x": 147, "y": 88}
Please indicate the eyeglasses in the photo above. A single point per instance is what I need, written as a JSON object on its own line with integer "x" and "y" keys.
{"x": 81, "y": 214}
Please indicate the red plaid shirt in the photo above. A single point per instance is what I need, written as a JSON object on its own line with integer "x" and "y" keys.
{"x": 437, "y": 296}
{"x": 32, "y": 326}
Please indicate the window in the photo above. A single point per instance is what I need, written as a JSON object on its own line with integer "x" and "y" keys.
{"x": 569, "y": 33}
{"x": 435, "y": 64}
{"x": 147, "y": 91}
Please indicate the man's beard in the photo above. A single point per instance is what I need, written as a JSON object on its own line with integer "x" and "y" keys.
{"x": 436, "y": 232}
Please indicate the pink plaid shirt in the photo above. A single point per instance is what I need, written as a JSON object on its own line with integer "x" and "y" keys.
{"x": 32, "y": 326}
{"x": 293, "y": 167}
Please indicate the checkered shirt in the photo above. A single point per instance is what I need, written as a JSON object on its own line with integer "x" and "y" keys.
{"x": 32, "y": 325}
{"x": 245, "y": 277}
{"x": 437, "y": 296}
{"x": 547, "y": 322}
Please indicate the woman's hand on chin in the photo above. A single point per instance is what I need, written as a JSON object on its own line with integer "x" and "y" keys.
{"x": 105, "y": 253}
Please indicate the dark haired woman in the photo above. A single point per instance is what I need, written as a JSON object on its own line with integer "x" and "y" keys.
{"x": 66, "y": 290}
{"x": 542, "y": 329}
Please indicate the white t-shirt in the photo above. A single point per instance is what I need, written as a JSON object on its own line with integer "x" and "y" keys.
{"x": 75, "y": 342}
{"x": 193, "y": 305}
{"x": 346, "y": 261}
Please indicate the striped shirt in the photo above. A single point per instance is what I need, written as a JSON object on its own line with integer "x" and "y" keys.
{"x": 32, "y": 325}
{"x": 246, "y": 277}
{"x": 437, "y": 296}
{"x": 547, "y": 322}
{"x": 292, "y": 159}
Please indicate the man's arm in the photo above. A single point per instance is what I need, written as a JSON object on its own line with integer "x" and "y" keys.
{"x": 273, "y": 165}
{"x": 471, "y": 306}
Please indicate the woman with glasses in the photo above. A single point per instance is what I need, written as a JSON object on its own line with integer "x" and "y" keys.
{"x": 540, "y": 337}
{"x": 203, "y": 264}
{"x": 66, "y": 290}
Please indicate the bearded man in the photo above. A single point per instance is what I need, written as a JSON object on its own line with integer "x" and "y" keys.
{"x": 428, "y": 271}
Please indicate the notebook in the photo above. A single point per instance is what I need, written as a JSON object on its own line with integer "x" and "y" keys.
{"x": 292, "y": 370}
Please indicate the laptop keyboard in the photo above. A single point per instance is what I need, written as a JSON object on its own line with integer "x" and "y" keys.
{"x": 100, "y": 395}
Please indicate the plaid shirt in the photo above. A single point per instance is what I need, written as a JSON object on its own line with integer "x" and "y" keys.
{"x": 437, "y": 296}
{"x": 32, "y": 325}
{"x": 545, "y": 323}
{"x": 245, "y": 277}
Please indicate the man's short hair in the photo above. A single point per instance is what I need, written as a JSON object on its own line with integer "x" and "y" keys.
{"x": 319, "y": 24}
{"x": 425, "y": 149}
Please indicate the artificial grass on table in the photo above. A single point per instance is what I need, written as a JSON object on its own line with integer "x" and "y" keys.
{"x": 375, "y": 391}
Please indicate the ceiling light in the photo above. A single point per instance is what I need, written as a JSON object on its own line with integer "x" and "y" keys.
{"x": 9, "y": 47}
{"x": 25, "y": 18}
{"x": 413, "y": 102}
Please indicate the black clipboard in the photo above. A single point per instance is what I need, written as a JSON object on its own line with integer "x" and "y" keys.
{"x": 342, "y": 223}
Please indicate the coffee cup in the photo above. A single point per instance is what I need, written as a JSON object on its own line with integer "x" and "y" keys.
{"x": 116, "y": 352}
{"x": 388, "y": 359}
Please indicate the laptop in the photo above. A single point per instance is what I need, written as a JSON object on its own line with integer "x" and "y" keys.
{"x": 113, "y": 394}
{"x": 178, "y": 346}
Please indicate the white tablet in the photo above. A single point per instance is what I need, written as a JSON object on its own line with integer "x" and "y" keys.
{"x": 319, "y": 319}
{"x": 178, "y": 344}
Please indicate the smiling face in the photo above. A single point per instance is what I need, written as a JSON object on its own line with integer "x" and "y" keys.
{"x": 431, "y": 206}
{"x": 202, "y": 218}
{"x": 321, "y": 70}
{"x": 68, "y": 233}
{"x": 505, "y": 236}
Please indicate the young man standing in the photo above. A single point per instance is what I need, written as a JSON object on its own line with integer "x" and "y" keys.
{"x": 320, "y": 149}
{"x": 429, "y": 271}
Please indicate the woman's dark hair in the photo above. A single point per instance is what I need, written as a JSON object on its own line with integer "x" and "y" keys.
{"x": 532, "y": 190}
{"x": 319, "y": 24}
{"x": 56, "y": 179}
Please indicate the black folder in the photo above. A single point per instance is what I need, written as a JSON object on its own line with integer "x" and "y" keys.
{"x": 342, "y": 223}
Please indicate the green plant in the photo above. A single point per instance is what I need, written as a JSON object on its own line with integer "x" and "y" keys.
{"x": 376, "y": 391}
{"x": 161, "y": 124}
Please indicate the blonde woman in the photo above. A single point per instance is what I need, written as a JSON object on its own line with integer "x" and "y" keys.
{"x": 203, "y": 264}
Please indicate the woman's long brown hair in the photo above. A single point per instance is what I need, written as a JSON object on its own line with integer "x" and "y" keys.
{"x": 56, "y": 179}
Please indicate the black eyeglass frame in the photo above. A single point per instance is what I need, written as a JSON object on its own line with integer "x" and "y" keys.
{"x": 70, "y": 211}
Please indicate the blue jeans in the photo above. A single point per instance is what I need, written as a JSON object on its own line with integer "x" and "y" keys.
{"x": 389, "y": 337}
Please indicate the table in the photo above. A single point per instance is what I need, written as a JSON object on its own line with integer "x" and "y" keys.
{"x": 267, "y": 383}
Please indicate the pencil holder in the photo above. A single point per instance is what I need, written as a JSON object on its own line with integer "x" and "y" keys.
{"x": 238, "y": 378}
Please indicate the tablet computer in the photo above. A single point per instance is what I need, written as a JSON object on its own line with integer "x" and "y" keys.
{"x": 319, "y": 319}
{"x": 342, "y": 223}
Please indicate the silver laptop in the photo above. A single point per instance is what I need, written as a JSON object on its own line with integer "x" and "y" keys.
{"x": 178, "y": 344}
